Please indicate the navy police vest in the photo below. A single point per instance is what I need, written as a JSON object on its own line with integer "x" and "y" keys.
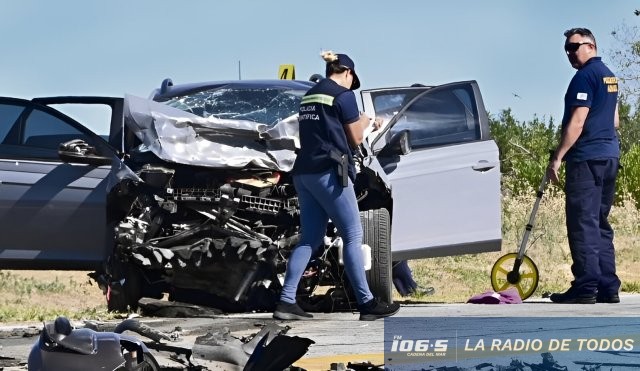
{"x": 321, "y": 129}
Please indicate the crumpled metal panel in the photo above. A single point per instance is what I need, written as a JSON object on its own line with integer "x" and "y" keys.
{"x": 269, "y": 349}
{"x": 119, "y": 172}
{"x": 181, "y": 137}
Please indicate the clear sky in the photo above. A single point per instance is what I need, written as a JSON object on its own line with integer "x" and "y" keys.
{"x": 76, "y": 47}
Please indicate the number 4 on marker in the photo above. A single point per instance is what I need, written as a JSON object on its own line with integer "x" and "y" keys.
{"x": 287, "y": 72}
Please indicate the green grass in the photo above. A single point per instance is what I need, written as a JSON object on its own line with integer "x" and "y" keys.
{"x": 633, "y": 286}
{"x": 26, "y": 286}
{"x": 43, "y": 295}
{"x": 41, "y": 313}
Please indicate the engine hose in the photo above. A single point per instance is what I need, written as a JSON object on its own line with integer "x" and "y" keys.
{"x": 213, "y": 214}
{"x": 246, "y": 283}
{"x": 186, "y": 235}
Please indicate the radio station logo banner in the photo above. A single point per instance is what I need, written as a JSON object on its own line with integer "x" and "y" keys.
{"x": 512, "y": 343}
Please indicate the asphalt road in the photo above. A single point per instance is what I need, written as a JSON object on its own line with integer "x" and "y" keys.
{"x": 341, "y": 337}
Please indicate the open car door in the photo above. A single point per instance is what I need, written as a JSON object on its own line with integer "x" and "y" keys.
{"x": 52, "y": 212}
{"x": 446, "y": 190}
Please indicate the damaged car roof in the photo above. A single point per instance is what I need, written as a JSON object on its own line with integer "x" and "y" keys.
{"x": 167, "y": 90}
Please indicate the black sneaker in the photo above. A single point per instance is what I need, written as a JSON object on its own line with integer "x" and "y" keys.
{"x": 291, "y": 312}
{"x": 611, "y": 299}
{"x": 570, "y": 298}
{"x": 374, "y": 309}
{"x": 423, "y": 291}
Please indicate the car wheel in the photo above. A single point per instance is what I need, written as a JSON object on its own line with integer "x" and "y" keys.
{"x": 123, "y": 294}
{"x": 376, "y": 229}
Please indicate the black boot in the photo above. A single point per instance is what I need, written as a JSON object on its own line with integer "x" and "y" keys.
{"x": 374, "y": 309}
{"x": 287, "y": 311}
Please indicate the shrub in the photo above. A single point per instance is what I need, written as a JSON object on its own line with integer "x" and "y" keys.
{"x": 524, "y": 151}
{"x": 524, "y": 155}
{"x": 629, "y": 178}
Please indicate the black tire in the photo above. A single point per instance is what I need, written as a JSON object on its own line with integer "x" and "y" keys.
{"x": 124, "y": 297}
{"x": 376, "y": 229}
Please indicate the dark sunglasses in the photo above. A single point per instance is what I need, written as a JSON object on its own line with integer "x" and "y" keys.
{"x": 573, "y": 47}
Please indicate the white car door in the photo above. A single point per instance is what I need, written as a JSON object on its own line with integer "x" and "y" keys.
{"x": 446, "y": 191}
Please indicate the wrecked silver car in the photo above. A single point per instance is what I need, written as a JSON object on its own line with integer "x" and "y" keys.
{"x": 215, "y": 214}
{"x": 188, "y": 193}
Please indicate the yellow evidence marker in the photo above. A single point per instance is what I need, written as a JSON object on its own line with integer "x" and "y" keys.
{"x": 287, "y": 72}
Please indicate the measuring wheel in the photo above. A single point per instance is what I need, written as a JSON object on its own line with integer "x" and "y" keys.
{"x": 509, "y": 271}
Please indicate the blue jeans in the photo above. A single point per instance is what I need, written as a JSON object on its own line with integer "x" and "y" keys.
{"x": 322, "y": 198}
{"x": 590, "y": 188}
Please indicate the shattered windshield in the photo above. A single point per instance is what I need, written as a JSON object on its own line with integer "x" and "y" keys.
{"x": 263, "y": 105}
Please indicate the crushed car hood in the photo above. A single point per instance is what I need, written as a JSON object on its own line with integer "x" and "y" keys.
{"x": 177, "y": 136}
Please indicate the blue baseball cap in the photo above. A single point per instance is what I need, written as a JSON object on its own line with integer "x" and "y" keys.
{"x": 347, "y": 62}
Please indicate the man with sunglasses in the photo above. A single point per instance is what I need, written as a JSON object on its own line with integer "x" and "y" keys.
{"x": 589, "y": 146}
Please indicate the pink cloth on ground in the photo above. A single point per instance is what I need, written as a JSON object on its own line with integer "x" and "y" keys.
{"x": 508, "y": 296}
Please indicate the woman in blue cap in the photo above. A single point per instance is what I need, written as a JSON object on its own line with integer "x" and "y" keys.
{"x": 323, "y": 174}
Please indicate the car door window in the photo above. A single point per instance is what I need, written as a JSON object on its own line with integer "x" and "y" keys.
{"x": 9, "y": 115}
{"x": 29, "y": 131}
{"x": 45, "y": 131}
{"x": 438, "y": 118}
{"x": 387, "y": 104}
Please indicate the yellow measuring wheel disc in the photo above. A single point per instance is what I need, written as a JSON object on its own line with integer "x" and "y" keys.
{"x": 525, "y": 279}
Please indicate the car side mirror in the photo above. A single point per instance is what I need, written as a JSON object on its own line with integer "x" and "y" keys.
{"x": 398, "y": 145}
{"x": 79, "y": 151}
